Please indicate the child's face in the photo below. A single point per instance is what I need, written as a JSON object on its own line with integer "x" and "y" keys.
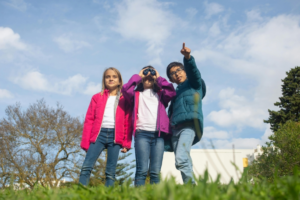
{"x": 177, "y": 74}
{"x": 111, "y": 80}
{"x": 148, "y": 81}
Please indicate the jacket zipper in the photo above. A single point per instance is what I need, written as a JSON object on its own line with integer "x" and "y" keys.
{"x": 118, "y": 96}
{"x": 134, "y": 117}
{"x": 101, "y": 121}
{"x": 115, "y": 127}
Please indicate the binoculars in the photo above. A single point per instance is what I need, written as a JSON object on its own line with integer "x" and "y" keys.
{"x": 152, "y": 71}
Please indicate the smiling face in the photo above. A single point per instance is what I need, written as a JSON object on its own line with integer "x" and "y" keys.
{"x": 177, "y": 74}
{"x": 111, "y": 80}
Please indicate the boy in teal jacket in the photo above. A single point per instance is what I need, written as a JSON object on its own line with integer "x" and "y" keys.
{"x": 185, "y": 112}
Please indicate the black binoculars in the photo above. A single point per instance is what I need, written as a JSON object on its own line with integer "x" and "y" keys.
{"x": 152, "y": 71}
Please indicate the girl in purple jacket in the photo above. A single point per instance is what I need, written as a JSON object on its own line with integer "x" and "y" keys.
{"x": 149, "y": 94}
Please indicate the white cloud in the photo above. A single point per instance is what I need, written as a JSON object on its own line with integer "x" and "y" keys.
{"x": 69, "y": 45}
{"x": 191, "y": 12}
{"x": 72, "y": 84}
{"x": 33, "y": 81}
{"x": 212, "y": 9}
{"x": 261, "y": 51}
{"x": 239, "y": 143}
{"x": 105, "y": 4}
{"x": 227, "y": 142}
{"x": 37, "y": 81}
{"x": 10, "y": 40}
{"x": 211, "y": 132}
{"x": 214, "y": 29}
{"x": 20, "y": 5}
{"x": 92, "y": 88}
{"x": 5, "y": 94}
{"x": 253, "y": 15}
{"x": 237, "y": 111}
{"x": 147, "y": 20}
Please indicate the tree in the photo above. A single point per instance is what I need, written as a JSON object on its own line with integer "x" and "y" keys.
{"x": 281, "y": 155}
{"x": 39, "y": 145}
{"x": 289, "y": 103}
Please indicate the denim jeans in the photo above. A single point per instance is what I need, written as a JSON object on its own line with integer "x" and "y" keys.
{"x": 105, "y": 140}
{"x": 182, "y": 140}
{"x": 148, "y": 146}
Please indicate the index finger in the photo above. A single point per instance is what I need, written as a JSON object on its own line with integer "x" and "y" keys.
{"x": 183, "y": 45}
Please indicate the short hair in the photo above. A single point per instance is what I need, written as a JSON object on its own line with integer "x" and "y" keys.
{"x": 173, "y": 64}
{"x": 140, "y": 86}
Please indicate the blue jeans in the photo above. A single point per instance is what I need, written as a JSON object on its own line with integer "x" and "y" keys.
{"x": 148, "y": 146}
{"x": 182, "y": 140}
{"x": 105, "y": 140}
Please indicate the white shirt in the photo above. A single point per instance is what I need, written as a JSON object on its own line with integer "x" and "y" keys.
{"x": 109, "y": 116}
{"x": 147, "y": 111}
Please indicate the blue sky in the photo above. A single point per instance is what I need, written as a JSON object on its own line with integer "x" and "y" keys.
{"x": 57, "y": 50}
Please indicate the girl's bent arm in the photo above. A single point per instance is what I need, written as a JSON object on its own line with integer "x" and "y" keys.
{"x": 88, "y": 124}
{"x": 168, "y": 91}
{"x": 128, "y": 88}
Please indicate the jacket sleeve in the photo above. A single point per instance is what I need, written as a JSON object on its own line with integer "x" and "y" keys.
{"x": 127, "y": 139}
{"x": 168, "y": 91}
{"x": 128, "y": 88}
{"x": 193, "y": 73}
{"x": 88, "y": 124}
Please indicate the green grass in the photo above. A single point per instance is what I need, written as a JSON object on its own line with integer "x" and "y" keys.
{"x": 282, "y": 188}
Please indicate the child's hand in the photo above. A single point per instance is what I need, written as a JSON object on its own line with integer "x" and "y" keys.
{"x": 156, "y": 75}
{"x": 124, "y": 150}
{"x": 141, "y": 73}
{"x": 185, "y": 51}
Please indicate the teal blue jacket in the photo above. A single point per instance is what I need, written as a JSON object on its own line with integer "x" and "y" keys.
{"x": 186, "y": 106}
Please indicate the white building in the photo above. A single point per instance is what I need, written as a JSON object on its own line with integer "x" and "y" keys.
{"x": 218, "y": 161}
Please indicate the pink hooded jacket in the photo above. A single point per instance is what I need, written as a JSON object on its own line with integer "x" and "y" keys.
{"x": 94, "y": 117}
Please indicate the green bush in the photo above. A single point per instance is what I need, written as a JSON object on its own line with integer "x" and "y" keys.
{"x": 281, "y": 155}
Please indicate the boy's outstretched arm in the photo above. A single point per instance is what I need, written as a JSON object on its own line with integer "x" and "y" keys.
{"x": 192, "y": 72}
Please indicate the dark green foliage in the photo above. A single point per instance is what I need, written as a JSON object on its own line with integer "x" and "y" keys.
{"x": 287, "y": 187}
{"x": 289, "y": 103}
{"x": 281, "y": 155}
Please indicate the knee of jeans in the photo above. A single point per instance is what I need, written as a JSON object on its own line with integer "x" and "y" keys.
{"x": 110, "y": 177}
{"x": 154, "y": 174}
{"x": 181, "y": 162}
{"x": 110, "y": 174}
{"x": 142, "y": 173}
{"x": 86, "y": 168}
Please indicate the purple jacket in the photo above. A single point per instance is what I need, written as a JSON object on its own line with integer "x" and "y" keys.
{"x": 166, "y": 94}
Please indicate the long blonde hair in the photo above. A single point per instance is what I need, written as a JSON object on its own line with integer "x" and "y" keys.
{"x": 119, "y": 75}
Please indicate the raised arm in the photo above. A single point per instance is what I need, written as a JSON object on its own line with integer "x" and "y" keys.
{"x": 88, "y": 124}
{"x": 192, "y": 72}
{"x": 128, "y": 88}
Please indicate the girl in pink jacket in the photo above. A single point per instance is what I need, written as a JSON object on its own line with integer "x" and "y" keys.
{"x": 106, "y": 126}
{"x": 149, "y": 94}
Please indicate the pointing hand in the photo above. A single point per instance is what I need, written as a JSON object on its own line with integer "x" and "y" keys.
{"x": 186, "y": 52}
